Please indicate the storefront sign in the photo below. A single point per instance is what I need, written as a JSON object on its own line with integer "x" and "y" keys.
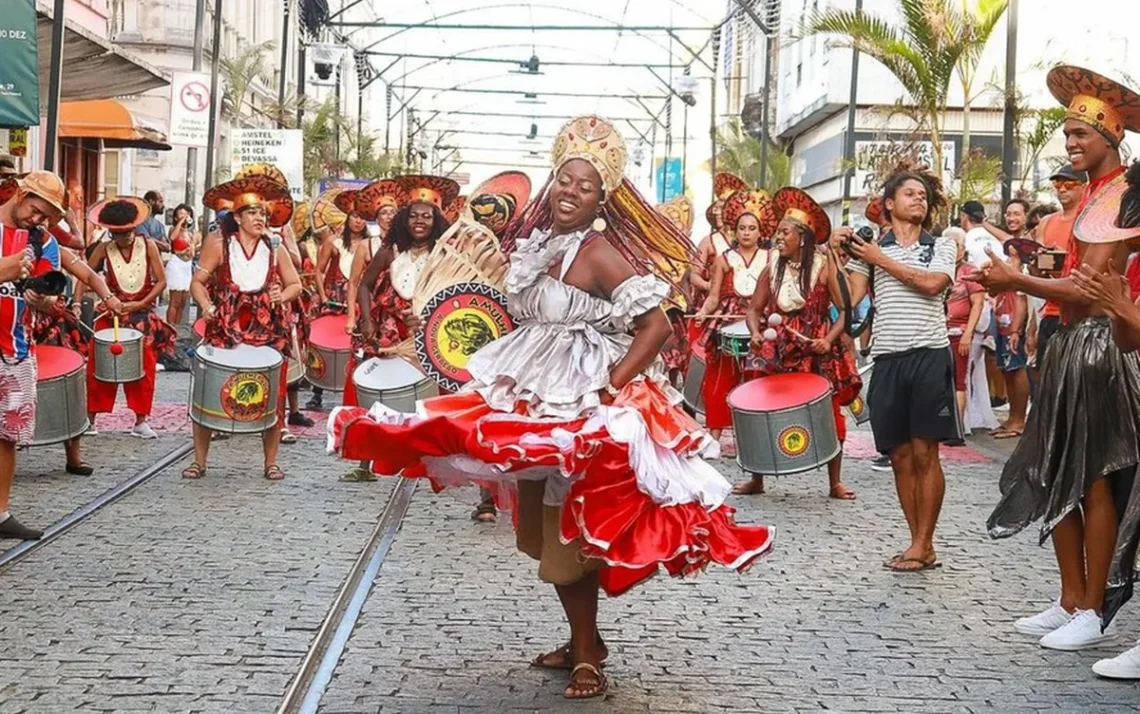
{"x": 284, "y": 148}
{"x": 19, "y": 71}
{"x": 18, "y": 142}
{"x": 190, "y": 109}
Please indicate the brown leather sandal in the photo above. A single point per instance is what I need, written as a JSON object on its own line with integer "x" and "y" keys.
{"x": 586, "y": 682}
{"x": 194, "y": 472}
{"x": 274, "y": 473}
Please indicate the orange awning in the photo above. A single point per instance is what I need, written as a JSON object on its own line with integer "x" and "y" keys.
{"x": 109, "y": 120}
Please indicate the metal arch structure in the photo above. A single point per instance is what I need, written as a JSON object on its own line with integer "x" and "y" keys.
{"x": 435, "y": 24}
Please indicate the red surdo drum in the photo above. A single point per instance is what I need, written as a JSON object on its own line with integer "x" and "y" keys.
{"x": 329, "y": 350}
{"x": 200, "y": 328}
{"x": 784, "y": 424}
{"x": 61, "y": 395}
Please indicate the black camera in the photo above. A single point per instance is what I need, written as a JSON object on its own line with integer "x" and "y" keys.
{"x": 52, "y": 283}
{"x": 866, "y": 234}
{"x": 862, "y": 236}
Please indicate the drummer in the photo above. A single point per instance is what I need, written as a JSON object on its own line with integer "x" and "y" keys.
{"x": 380, "y": 200}
{"x": 134, "y": 272}
{"x": 244, "y": 286}
{"x": 734, "y": 279}
{"x": 719, "y": 241}
{"x": 389, "y": 282}
{"x": 806, "y": 340}
{"x": 36, "y": 203}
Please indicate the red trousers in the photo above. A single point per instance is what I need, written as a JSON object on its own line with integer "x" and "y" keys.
{"x": 722, "y": 375}
{"x": 140, "y": 393}
{"x": 350, "y": 399}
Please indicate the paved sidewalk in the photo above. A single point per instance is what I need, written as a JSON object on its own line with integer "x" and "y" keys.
{"x": 819, "y": 625}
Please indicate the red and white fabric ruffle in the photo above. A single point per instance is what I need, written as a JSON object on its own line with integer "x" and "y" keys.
{"x": 632, "y": 476}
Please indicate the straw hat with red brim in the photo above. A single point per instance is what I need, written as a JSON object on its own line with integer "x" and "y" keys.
{"x": 250, "y": 191}
{"x": 724, "y": 185}
{"x": 745, "y": 203}
{"x": 792, "y": 204}
{"x": 142, "y": 212}
{"x": 378, "y": 195}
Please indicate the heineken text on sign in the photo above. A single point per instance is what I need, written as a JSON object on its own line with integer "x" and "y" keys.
{"x": 19, "y": 70}
{"x": 284, "y": 148}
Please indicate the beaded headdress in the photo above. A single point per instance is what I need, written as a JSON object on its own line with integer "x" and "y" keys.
{"x": 595, "y": 140}
{"x": 1105, "y": 105}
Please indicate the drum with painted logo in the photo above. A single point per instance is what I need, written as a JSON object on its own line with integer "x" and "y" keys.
{"x": 858, "y": 409}
{"x": 694, "y": 399}
{"x": 61, "y": 395}
{"x": 735, "y": 340}
{"x": 122, "y": 368}
{"x": 784, "y": 424}
{"x": 393, "y": 382}
{"x": 235, "y": 390}
{"x": 329, "y": 349}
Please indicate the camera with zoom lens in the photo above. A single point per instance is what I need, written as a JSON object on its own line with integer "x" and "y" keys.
{"x": 862, "y": 236}
{"x": 51, "y": 283}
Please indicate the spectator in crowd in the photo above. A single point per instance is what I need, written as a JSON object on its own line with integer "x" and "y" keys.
{"x": 154, "y": 227}
{"x": 963, "y": 311}
{"x": 184, "y": 243}
{"x": 911, "y": 397}
{"x": 972, "y": 217}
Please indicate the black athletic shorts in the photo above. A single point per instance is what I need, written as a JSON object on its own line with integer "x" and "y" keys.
{"x": 912, "y": 397}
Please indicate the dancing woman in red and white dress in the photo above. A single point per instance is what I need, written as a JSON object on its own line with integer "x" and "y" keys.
{"x": 573, "y": 416}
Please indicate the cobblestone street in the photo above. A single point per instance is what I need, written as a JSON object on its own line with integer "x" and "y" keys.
{"x": 205, "y": 596}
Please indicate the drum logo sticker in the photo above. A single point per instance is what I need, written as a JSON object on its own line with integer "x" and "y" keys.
{"x": 857, "y": 406}
{"x": 316, "y": 364}
{"x": 245, "y": 396}
{"x": 458, "y": 322}
{"x": 793, "y": 440}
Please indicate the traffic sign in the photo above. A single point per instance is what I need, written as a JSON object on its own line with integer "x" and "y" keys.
{"x": 190, "y": 109}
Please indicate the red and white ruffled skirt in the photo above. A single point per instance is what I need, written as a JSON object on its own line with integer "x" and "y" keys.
{"x": 639, "y": 494}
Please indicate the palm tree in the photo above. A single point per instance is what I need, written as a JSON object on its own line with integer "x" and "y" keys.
{"x": 739, "y": 153}
{"x": 250, "y": 64}
{"x": 979, "y": 23}
{"x": 924, "y": 53}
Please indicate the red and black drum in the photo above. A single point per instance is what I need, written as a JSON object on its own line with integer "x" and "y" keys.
{"x": 785, "y": 424}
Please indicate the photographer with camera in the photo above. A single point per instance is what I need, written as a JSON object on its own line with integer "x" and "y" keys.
{"x": 911, "y": 396}
{"x": 30, "y": 278}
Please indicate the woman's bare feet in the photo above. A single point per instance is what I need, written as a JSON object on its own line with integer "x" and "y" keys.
{"x": 842, "y": 493}
{"x": 752, "y": 487}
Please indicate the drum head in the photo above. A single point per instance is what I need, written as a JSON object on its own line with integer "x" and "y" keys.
{"x": 385, "y": 373}
{"x": 56, "y": 361}
{"x": 200, "y": 327}
{"x": 328, "y": 332}
{"x": 458, "y": 321}
{"x": 126, "y": 334}
{"x": 779, "y": 392}
{"x": 241, "y": 357}
{"x": 736, "y": 329}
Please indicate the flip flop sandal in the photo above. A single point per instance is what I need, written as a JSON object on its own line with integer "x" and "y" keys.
{"x": 1010, "y": 434}
{"x": 274, "y": 473}
{"x": 288, "y": 437}
{"x": 924, "y": 565}
{"x": 562, "y": 665}
{"x": 193, "y": 472}
{"x": 591, "y": 690}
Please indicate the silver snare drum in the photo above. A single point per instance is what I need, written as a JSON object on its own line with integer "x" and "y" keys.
{"x": 61, "y": 395}
{"x": 393, "y": 382}
{"x": 858, "y": 409}
{"x": 784, "y": 424}
{"x": 235, "y": 390}
{"x": 695, "y": 377}
{"x": 121, "y": 368}
{"x": 295, "y": 372}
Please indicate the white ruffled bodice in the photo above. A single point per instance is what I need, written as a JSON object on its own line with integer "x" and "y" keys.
{"x": 566, "y": 341}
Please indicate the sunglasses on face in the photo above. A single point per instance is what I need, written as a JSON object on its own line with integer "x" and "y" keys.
{"x": 1065, "y": 184}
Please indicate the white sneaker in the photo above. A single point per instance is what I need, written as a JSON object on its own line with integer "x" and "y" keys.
{"x": 1082, "y": 631}
{"x": 1122, "y": 666}
{"x": 159, "y": 367}
{"x": 1045, "y": 622}
{"x": 143, "y": 431}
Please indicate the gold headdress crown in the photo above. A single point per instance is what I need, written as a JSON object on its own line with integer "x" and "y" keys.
{"x": 744, "y": 203}
{"x": 593, "y": 139}
{"x": 680, "y": 212}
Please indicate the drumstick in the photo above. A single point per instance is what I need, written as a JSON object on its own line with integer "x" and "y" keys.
{"x": 116, "y": 327}
{"x": 720, "y": 317}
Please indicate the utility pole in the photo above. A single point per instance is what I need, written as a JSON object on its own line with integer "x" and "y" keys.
{"x": 712, "y": 106}
{"x": 199, "y": 50}
{"x": 1008, "y": 141}
{"x": 849, "y": 143}
{"x": 302, "y": 70}
{"x": 284, "y": 65}
{"x": 54, "y": 81}
{"x": 215, "y": 103}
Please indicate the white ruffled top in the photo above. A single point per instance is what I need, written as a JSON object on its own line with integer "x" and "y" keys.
{"x": 566, "y": 341}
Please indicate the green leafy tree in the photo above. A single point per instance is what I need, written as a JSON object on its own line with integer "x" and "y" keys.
{"x": 936, "y": 40}
{"x": 239, "y": 73}
{"x": 739, "y": 153}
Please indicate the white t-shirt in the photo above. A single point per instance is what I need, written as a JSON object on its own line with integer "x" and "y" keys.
{"x": 977, "y": 239}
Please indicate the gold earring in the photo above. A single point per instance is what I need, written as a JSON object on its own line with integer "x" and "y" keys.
{"x": 599, "y": 224}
